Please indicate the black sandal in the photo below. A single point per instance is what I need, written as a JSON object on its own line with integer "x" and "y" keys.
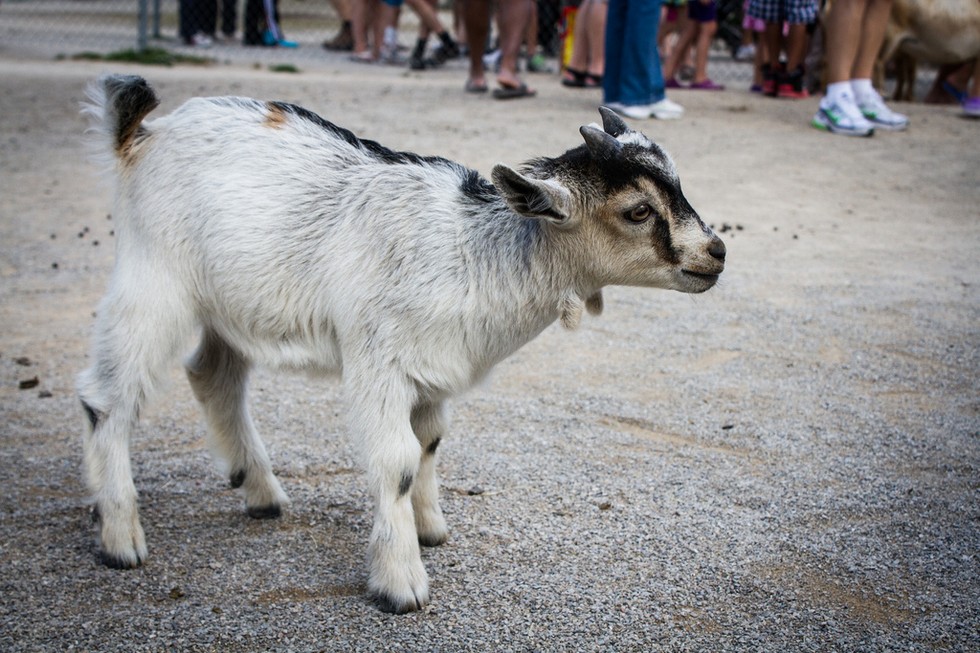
{"x": 577, "y": 80}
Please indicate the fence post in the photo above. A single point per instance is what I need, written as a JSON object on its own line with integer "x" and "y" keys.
{"x": 156, "y": 19}
{"x": 141, "y": 35}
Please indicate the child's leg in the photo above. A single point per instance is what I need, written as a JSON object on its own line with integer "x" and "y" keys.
{"x": 679, "y": 50}
{"x": 706, "y": 32}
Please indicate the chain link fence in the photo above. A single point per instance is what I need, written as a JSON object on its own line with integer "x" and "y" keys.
{"x": 73, "y": 28}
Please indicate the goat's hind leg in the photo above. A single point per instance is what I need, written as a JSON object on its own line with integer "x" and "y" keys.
{"x": 219, "y": 377}
{"x": 133, "y": 339}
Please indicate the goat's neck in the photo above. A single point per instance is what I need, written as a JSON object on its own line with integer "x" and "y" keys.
{"x": 530, "y": 275}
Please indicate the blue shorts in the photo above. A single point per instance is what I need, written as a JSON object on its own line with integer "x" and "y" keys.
{"x": 791, "y": 11}
{"x": 702, "y": 12}
{"x": 394, "y": 3}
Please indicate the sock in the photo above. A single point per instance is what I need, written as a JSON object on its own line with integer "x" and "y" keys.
{"x": 863, "y": 90}
{"x": 836, "y": 90}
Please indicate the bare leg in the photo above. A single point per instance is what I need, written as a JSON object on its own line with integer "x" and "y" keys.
{"x": 476, "y": 18}
{"x": 512, "y": 17}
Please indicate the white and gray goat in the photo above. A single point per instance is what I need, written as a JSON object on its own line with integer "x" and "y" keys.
{"x": 290, "y": 242}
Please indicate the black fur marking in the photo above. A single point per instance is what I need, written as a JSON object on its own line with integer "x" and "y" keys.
{"x": 265, "y": 512}
{"x": 405, "y": 484}
{"x": 431, "y": 449}
{"x": 131, "y": 99}
{"x": 375, "y": 149}
{"x": 237, "y": 479}
{"x": 662, "y": 240}
{"x": 478, "y": 188}
{"x": 94, "y": 416}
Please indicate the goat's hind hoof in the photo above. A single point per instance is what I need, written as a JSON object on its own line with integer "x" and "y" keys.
{"x": 273, "y": 511}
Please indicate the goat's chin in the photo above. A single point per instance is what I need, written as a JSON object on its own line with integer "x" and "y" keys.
{"x": 693, "y": 282}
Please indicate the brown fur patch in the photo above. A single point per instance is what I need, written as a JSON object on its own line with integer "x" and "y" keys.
{"x": 276, "y": 118}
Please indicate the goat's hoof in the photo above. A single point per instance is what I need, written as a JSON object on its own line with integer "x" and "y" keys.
{"x": 433, "y": 539}
{"x": 121, "y": 562}
{"x": 237, "y": 479}
{"x": 392, "y": 605}
{"x": 272, "y": 511}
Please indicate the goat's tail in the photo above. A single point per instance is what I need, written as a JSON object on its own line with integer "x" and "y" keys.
{"x": 116, "y": 108}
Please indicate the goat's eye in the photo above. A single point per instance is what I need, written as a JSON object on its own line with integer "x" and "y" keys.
{"x": 640, "y": 213}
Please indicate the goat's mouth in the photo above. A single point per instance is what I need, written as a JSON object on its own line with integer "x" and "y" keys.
{"x": 701, "y": 281}
{"x": 703, "y": 276}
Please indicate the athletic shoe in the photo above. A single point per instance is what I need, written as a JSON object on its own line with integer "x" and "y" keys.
{"x": 879, "y": 115}
{"x": 790, "y": 85}
{"x": 666, "y": 110}
{"x": 634, "y": 111}
{"x": 745, "y": 52}
{"x": 971, "y": 107}
{"x": 842, "y": 117}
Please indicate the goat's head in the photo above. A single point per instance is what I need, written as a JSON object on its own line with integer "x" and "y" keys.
{"x": 619, "y": 199}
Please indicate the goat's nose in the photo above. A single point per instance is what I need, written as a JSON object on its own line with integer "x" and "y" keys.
{"x": 717, "y": 249}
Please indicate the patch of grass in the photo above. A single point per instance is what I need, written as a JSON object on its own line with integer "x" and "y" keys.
{"x": 149, "y": 56}
{"x": 283, "y": 68}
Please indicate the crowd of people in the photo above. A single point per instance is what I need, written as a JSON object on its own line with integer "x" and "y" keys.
{"x": 633, "y": 50}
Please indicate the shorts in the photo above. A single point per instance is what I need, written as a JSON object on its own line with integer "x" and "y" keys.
{"x": 791, "y": 11}
{"x": 750, "y": 24}
{"x": 394, "y": 3}
{"x": 702, "y": 12}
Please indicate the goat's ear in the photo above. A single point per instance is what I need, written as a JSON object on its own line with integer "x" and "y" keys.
{"x": 602, "y": 145}
{"x": 540, "y": 199}
{"x": 612, "y": 123}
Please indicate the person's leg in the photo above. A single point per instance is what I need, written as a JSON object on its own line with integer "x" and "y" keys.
{"x": 706, "y": 33}
{"x": 971, "y": 105}
{"x": 873, "y": 25}
{"x": 641, "y": 77}
{"x": 476, "y": 19}
{"x": 613, "y": 50}
{"x": 873, "y": 107}
{"x": 843, "y": 38}
{"x": 575, "y": 72}
{"x": 512, "y": 17}
{"x": 596, "y": 30}
{"x": 678, "y": 52}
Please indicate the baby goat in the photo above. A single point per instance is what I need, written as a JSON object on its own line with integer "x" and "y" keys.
{"x": 290, "y": 242}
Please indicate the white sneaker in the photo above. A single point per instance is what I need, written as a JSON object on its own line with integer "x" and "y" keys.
{"x": 842, "y": 116}
{"x": 666, "y": 109}
{"x": 875, "y": 110}
{"x": 634, "y": 111}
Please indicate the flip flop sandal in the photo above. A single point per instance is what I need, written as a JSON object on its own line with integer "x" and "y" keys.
{"x": 513, "y": 92}
{"x": 473, "y": 87}
{"x": 577, "y": 80}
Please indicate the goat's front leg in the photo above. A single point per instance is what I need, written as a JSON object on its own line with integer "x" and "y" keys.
{"x": 429, "y": 424}
{"x": 380, "y": 423}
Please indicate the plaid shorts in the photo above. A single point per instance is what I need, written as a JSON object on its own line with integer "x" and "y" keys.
{"x": 791, "y": 11}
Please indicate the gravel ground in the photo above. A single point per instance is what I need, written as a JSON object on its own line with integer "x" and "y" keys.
{"x": 789, "y": 462}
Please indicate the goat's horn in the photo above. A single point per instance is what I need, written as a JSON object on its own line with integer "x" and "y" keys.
{"x": 612, "y": 123}
{"x": 601, "y": 145}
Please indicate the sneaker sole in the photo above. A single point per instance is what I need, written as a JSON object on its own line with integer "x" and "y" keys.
{"x": 830, "y": 127}
{"x": 888, "y": 127}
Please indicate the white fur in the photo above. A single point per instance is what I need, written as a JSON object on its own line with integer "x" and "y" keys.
{"x": 292, "y": 246}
